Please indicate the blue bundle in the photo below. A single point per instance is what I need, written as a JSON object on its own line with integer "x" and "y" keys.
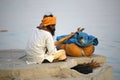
{"x": 82, "y": 39}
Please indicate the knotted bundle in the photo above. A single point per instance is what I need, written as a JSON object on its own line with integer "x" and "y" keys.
{"x": 80, "y": 44}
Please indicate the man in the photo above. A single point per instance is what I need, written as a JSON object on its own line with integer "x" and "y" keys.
{"x": 40, "y": 47}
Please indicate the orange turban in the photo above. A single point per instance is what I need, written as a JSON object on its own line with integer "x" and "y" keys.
{"x": 49, "y": 21}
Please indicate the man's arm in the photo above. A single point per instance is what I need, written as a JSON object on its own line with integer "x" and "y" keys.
{"x": 64, "y": 39}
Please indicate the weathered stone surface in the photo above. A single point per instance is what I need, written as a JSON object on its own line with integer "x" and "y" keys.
{"x": 13, "y": 68}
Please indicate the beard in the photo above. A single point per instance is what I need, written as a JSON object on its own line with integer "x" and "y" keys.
{"x": 52, "y": 30}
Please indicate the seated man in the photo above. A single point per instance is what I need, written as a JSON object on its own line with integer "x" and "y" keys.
{"x": 41, "y": 44}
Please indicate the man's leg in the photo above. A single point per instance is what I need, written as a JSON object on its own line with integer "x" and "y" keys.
{"x": 60, "y": 55}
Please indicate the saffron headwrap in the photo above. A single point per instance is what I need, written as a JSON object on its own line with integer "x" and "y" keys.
{"x": 48, "y": 21}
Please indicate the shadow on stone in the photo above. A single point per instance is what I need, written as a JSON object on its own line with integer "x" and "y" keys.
{"x": 85, "y": 69}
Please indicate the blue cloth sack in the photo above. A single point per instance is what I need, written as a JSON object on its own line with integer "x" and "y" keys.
{"x": 82, "y": 39}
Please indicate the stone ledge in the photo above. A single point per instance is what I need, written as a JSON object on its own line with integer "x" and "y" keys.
{"x": 71, "y": 61}
{"x": 14, "y": 68}
{"x": 101, "y": 73}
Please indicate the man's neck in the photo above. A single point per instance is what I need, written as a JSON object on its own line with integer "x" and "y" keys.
{"x": 44, "y": 29}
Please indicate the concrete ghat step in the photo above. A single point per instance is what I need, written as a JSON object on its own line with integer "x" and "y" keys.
{"x": 101, "y": 73}
{"x": 17, "y": 69}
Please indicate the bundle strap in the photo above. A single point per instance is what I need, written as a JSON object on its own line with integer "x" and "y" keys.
{"x": 83, "y": 53}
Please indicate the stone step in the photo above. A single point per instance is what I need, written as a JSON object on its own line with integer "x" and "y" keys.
{"x": 17, "y": 69}
{"x": 101, "y": 73}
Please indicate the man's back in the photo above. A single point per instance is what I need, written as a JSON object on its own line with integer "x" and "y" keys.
{"x": 38, "y": 44}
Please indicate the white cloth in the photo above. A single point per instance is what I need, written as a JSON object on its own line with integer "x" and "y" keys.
{"x": 39, "y": 42}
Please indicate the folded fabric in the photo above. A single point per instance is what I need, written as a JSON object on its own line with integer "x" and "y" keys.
{"x": 82, "y": 39}
{"x": 48, "y": 21}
